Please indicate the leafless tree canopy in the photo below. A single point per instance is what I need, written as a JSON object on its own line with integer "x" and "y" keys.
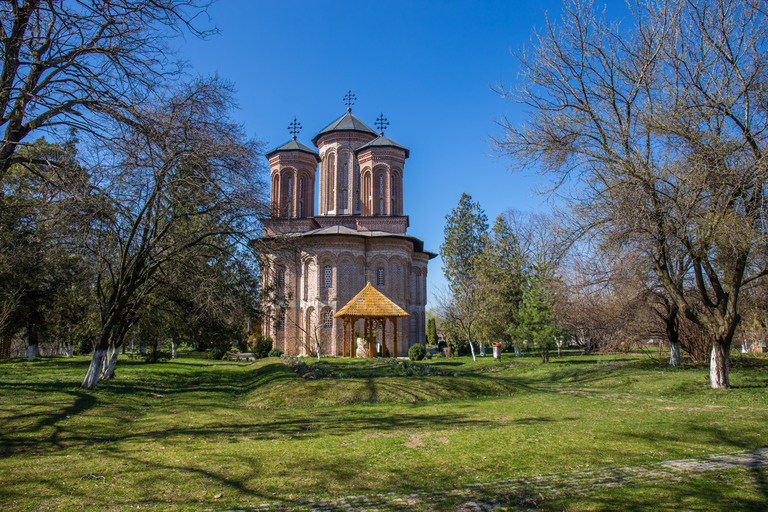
{"x": 655, "y": 130}
{"x": 65, "y": 61}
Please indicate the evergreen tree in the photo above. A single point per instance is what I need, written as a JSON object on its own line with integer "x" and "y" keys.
{"x": 501, "y": 270}
{"x": 534, "y": 319}
{"x": 431, "y": 332}
{"x": 465, "y": 238}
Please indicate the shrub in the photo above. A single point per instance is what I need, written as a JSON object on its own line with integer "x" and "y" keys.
{"x": 217, "y": 353}
{"x": 428, "y": 355}
{"x": 261, "y": 346}
{"x": 416, "y": 352}
{"x": 275, "y": 352}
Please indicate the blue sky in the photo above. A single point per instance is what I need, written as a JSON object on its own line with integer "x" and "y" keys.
{"x": 427, "y": 66}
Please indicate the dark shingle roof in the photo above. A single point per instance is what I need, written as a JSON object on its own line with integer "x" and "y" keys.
{"x": 383, "y": 142}
{"x": 346, "y": 123}
{"x": 294, "y": 145}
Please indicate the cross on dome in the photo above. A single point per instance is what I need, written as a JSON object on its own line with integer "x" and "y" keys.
{"x": 349, "y": 100}
{"x": 294, "y": 128}
{"x": 382, "y": 123}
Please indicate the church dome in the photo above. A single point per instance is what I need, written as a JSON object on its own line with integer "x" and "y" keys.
{"x": 293, "y": 145}
{"x": 383, "y": 142}
{"x": 346, "y": 123}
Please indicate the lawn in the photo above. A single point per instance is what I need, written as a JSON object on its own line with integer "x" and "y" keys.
{"x": 193, "y": 434}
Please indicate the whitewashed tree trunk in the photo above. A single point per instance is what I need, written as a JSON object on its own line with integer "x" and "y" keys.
{"x": 587, "y": 346}
{"x": 68, "y": 350}
{"x": 518, "y": 352}
{"x": 719, "y": 366}
{"x": 472, "y": 348}
{"x": 109, "y": 369}
{"x": 482, "y": 349}
{"x": 94, "y": 370}
{"x": 30, "y": 353}
{"x": 173, "y": 349}
{"x": 674, "y": 354}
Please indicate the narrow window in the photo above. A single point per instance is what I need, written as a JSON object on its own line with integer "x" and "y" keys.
{"x": 328, "y": 319}
{"x": 381, "y": 206}
{"x": 328, "y": 276}
{"x": 381, "y": 184}
{"x": 344, "y": 199}
{"x": 301, "y": 210}
{"x": 281, "y": 278}
{"x": 301, "y": 188}
{"x": 380, "y": 277}
{"x": 290, "y": 187}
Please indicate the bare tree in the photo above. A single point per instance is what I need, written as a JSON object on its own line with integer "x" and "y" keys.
{"x": 178, "y": 175}
{"x": 65, "y": 64}
{"x": 655, "y": 133}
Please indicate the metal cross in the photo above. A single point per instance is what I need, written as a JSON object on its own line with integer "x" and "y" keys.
{"x": 367, "y": 275}
{"x": 294, "y": 128}
{"x": 349, "y": 99}
{"x": 382, "y": 123}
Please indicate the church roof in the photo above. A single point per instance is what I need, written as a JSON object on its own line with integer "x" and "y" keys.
{"x": 370, "y": 302}
{"x": 346, "y": 123}
{"x": 294, "y": 145}
{"x": 383, "y": 142}
{"x": 418, "y": 245}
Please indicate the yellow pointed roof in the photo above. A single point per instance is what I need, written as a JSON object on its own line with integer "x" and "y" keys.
{"x": 370, "y": 302}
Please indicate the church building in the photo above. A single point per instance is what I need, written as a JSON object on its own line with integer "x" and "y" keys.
{"x": 337, "y": 223}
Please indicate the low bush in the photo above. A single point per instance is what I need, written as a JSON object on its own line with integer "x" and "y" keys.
{"x": 217, "y": 353}
{"x": 416, "y": 352}
{"x": 261, "y": 346}
{"x": 275, "y": 352}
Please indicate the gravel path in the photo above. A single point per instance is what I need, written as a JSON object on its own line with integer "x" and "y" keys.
{"x": 547, "y": 485}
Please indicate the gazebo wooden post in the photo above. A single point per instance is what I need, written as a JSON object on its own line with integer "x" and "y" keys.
{"x": 383, "y": 336}
{"x": 394, "y": 321}
{"x": 344, "y": 338}
{"x": 370, "y": 338}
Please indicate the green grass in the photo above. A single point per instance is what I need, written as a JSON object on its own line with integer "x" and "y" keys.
{"x": 256, "y": 432}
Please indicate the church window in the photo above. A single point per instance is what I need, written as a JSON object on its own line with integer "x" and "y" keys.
{"x": 381, "y": 206}
{"x": 306, "y": 280}
{"x": 290, "y": 187}
{"x": 328, "y": 276}
{"x": 301, "y": 210}
{"x": 301, "y": 188}
{"x": 328, "y": 323}
{"x": 281, "y": 325}
{"x": 381, "y": 184}
{"x": 380, "y": 277}
{"x": 344, "y": 199}
{"x": 281, "y": 278}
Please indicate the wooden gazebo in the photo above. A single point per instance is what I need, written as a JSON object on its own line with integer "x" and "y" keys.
{"x": 371, "y": 306}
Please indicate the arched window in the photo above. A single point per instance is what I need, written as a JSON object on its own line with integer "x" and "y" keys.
{"x": 328, "y": 320}
{"x": 344, "y": 198}
{"x": 301, "y": 210}
{"x": 290, "y": 187}
{"x": 380, "y": 277}
{"x": 381, "y": 184}
{"x": 328, "y": 277}
{"x": 301, "y": 188}
{"x": 306, "y": 280}
{"x": 381, "y": 206}
{"x": 281, "y": 278}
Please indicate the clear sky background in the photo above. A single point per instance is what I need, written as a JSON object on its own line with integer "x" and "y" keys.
{"x": 428, "y": 66}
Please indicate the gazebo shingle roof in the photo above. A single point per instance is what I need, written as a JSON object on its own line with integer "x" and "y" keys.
{"x": 370, "y": 303}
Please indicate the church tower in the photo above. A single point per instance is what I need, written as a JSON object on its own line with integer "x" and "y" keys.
{"x": 352, "y": 232}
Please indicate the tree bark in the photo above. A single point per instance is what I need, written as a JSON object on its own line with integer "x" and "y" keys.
{"x": 719, "y": 365}
{"x": 472, "y": 348}
{"x": 68, "y": 350}
{"x": 674, "y": 353}
{"x": 92, "y": 377}
{"x": 173, "y": 349}
{"x": 109, "y": 369}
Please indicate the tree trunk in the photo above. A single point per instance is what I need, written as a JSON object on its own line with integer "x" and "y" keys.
{"x": 472, "y": 348}
{"x": 92, "y": 377}
{"x": 482, "y": 349}
{"x": 68, "y": 350}
{"x": 173, "y": 349}
{"x": 6, "y": 341}
{"x": 109, "y": 369}
{"x": 719, "y": 365}
{"x": 518, "y": 352}
{"x": 674, "y": 353}
{"x": 587, "y": 347}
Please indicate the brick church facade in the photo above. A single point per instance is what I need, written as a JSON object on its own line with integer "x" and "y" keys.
{"x": 316, "y": 262}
